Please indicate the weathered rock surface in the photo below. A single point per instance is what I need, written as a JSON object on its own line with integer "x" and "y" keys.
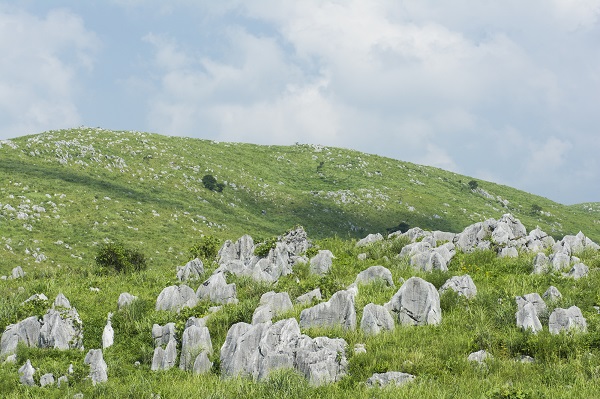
{"x": 373, "y": 274}
{"x": 572, "y": 245}
{"x": 375, "y": 319}
{"x": 192, "y": 270}
{"x": 527, "y": 318}
{"x": 535, "y": 299}
{"x": 61, "y": 326}
{"x": 424, "y": 255}
{"x": 26, "y": 373}
{"x": 479, "y": 356}
{"x": 578, "y": 271}
{"x": 321, "y": 262}
{"x": 271, "y": 305}
{"x": 98, "y": 367}
{"x": 338, "y": 311}
{"x": 17, "y": 272}
{"x": 462, "y": 285}
{"x": 566, "y": 320}
{"x": 175, "y": 298}
{"x": 322, "y": 360}
{"x": 125, "y": 299}
{"x": 391, "y": 377}
{"x": 26, "y": 331}
{"x": 164, "y": 358}
{"x": 552, "y": 294}
{"x": 309, "y": 296}
{"x": 195, "y": 348}
{"x": 371, "y": 238}
{"x": 541, "y": 263}
{"x": 217, "y": 290}
{"x": 417, "y": 302}
{"x": 47, "y": 379}
{"x": 108, "y": 334}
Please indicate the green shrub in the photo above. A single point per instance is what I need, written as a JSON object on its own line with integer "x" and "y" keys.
{"x": 210, "y": 183}
{"x": 206, "y": 248}
{"x": 264, "y": 247}
{"x": 115, "y": 256}
{"x": 473, "y": 185}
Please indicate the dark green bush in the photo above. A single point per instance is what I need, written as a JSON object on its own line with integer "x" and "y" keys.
{"x": 210, "y": 182}
{"x": 473, "y": 185}
{"x": 115, "y": 256}
{"x": 264, "y": 247}
{"x": 206, "y": 248}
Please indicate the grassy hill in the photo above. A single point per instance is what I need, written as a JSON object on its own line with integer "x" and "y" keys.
{"x": 64, "y": 193}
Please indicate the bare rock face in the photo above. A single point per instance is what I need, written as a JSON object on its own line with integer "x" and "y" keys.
{"x": 322, "y": 360}
{"x": 26, "y": 373}
{"x": 125, "y": 299}
{"x": 61, "y": 326}
{"x": 370, "y": 239}
{"x": 527, "y": 318}
{"x": 309, "y": 296}
{"x": 391, "y": 377}
{"x": 217, "y": 290}
{"x": 338, "y": 311}
{"x": 578, "y": 271}
{"x": 195, "y": 348}
{"x": 192, "y": 270}
{"x": 321, "y": 263}
{"x": 375, "y": 319}
{"x": 271, "y": 305}
{"x": 98, "y": 367}
{"x": 417, "y": 303}
{"x": 541, "y": 263}
{"x": 479, "y": 356}
{"x": 567, "y": 319}
{"x": 26, "y": 331}
{"x": 164, "y": 336}
{"x": 108, "y": 334}
{"x": 375, "y": 273}
{"x": 47, "y": 379}
{"x": 462, "y": 285}
{"x": 535, "y": 299}
{"x": 552, "y": 294}
{"x": 175, "y": 298}
{"x": 572, "y": 245}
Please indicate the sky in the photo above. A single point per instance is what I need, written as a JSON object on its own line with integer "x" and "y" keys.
{"x": 505, "y": 91}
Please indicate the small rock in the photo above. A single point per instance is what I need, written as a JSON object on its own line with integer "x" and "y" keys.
{"x": 391, "y": 377}
{"x": 567, "y": 319}
{"x": 26, "y": 373}
{"x": 462, "y": 285}
{"x": 309, "y": 296}
{"x": 321, "y": 262}
{"x": 578, "y": 271}
{"x": 552, "y": 294}
{"x": 371, "y": 238}
{"x": 175, "y": 298}
{"x": 375, "y": 273}
{"x": 360, "y": 349}
{"x": 479, "y": 356}
{"x": 47, "y": 379}
{"x": 126, "y": 299}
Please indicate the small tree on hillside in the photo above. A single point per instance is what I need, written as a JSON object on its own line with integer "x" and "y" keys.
{"x": 473, "y": 185}
{"x": 210, "y": 182}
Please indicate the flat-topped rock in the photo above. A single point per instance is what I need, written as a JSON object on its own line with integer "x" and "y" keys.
{"x": 374, "y": 274}
{"x": 462, "y": 285}
{"x": 175, "y": 298}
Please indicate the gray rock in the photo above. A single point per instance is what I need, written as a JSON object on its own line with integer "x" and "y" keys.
{"x": 541, "y": 263}
{"x": 578, "y": 271}
{"x": 26, "y": 331}
{"x": 11, "y": 359}
{"x": 391, "y": 377}
{"x": 271, "y": 305}
{"x": 360, "y": 349}
{"x": 552, "y": 294}
{"x": 413, "y": 234}
{"x": 62, "y": 327}
{"x": 242, "y": 251}
{"x": 217, "y": 290}
{"x": 573, "y": 245}
{"x": 527, "y": 318}
{"x": 373, "y": 274}
{"x": 462, "y": 285}
{"x": 566, "y": 320}
{"x": 62, "y": 380}
{"x": 538, "y": 241}
{"x": 175, "y": 298}
{"x": 17, "y": 272}
{"x": 417, "y": 302}
{"x": 296, "y": 241}
{"x": 560, "y": 261}
{"x": 322, "y": 360}
{"x": 526, "y": 359}
{"x": 162, "y": 335}
{"x": 196, "y": 321}
{"x": 428, "y": 261}
{"x": 61, "y": 302}
{"x": 375, "y": 319}
{"x": 509, "y": 252}
{"x": 192, "y": 270}
{"x": 309, "y": 296}
{"x": 362, "y": 256}
{"x": 338, "y": 311}
{"x": 47, "y": 379}
{"x": 98, "y": 367}
{"x": 479, "y": 356}
{"x": 202, "y": 364}
{"x": 195, "y": 341}
{"x": 443, "y": 236}
{"x": 108, "y": 334}
{"x": 166, "y": 358}
{"x": 370, "y": 239}
{"x": 507, "y": 229}
{"x": 472, "y": 236}
{"x": 26, "y": 373}
{"x": 535, "y": 299}
{"x": 415, "y": 248}
{"x": 321, "y": 262}
{"x": 36, "y": 297}
{"x": 125, "y": 299}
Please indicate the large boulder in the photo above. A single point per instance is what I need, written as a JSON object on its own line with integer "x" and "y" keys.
{"x": 271, "y": 305}
{"x": 566, "y": 320}
{"x": 26, "y": 331}
{"x": 62, "y": 327}
{"x": 573, "y": 245}
{"x": 338, "y": 311}
{"x": 538, "y": 241}
{"x": 373, "y": 274}
{"x": 375, "y": 319}
{"x": 417, "y": 302}
{"x": 217, "y": 290}
{"x": 165, "y": 351}
{"x": 322, "y": 360}
{"x": 462, "y": 285}
{"x": 175, "y": 298}
{"x": 321, "y": 262}
{"x": 192, "y": 270}
{"x": 195, "y": 348}
{"x": 507, "y": 229}
{"x": 98, "y": 367}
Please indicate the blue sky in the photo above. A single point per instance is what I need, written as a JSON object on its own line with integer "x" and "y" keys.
{"x": 491, "y": 89}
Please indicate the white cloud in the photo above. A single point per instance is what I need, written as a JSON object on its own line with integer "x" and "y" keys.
{"x": 41, "y": 59}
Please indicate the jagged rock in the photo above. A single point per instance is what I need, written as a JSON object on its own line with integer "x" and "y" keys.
{"x": 196, "y": 321}
{"x": 507, "y": 229}
{"x": 375, "y": 273}
{"x": 321, "y": 262}
{"x": 175, "y": 298}
{"x": 560, "y": 260}
{"x": 35, "y": 297}
{"x": 578, "y": 271}
{"x": 26, "y": 331}
{"x": 195, "y": 342}
{"x": 572, "y": 245}
{"x": 538, "y": 241}
{"x": 322, "y": 360}
{"x": 296, "y": 240}
{"x": 108, "y": 334}
{"x": 338, "y": 311}
{"x": 535, "y": 299}
{"x": 474, "y": 236}
{"x": 271, "y": 305}
{"x": 375, "y": 319}
{"x": 309, "y": 296}
{"x": 509, "y": 252}
{"x": 443, "y": 236}
{"x": 17, "y": 272}
{"x": 424, "y": 256}
{"x": 241, "y": 252}
{"x": 162, "y": 335}
{"x": 217, "y": 290}
{"x": 479, "y": 356}
{"x": 371, "y": 238}
{"x": 125, "y": 299}
{"x": 417, "y": 302}
{"x": 413, "y": 234}
{"x": 202, "y": 364}
{"x": 359, "y": 349}
{"x": 192, "y": 270}
{"x": 552, "y": 294}
{"x": 462, "y": 285}
{"x": 391, "y": 377}
{"x": 26, "y": 373}
{"x": 47, "y": 379}
{"x": 276, "y": 264}
{"x": 98, "y": 367}
{"x": 540, "y": 263}
{"x": 165, "y": 359}
{"x": 61, "y": 326}
{"x": 527, "y": 318}
{"x": 567, "y": 319}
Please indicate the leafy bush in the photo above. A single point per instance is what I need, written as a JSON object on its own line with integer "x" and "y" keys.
{"x": 210, "y": 182}
{"x": 473, "y": 185}
{"x": 264, "y": 247}
{"x": 206, "y": 249}
{"x": 115, "y": 256}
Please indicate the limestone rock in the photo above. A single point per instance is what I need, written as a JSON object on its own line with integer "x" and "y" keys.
{"x": 391, "y": 377}
{"x": 47, "y": 379}
{"x": 507, "y": 229}
{"x": 108, "y": 334}
{"x": 509, "y": 252}
{"x": 61, "y": 326}
{"x": 271, "y": 305}
{"x": 535, "y": 299}
{"x": 560, "y": 260}
{"x": 241, "y": 252}
{"x": 552, "y": 294}
{"x": 375, "y": 319}
{"x": 462, "y": 285}
{"x": 527, "y": 318}
{"x": 164, "y": 359}
{"x": 26, "y": 373}
{"x": 196, "y": 321}
{"x": 578, "y": 271}
{"x": 538, "y": 241}
{"x": 338, "y": 311}
{"x": 375, "y": 273}
{"x": 417, "y": 302}
{"x": 195, "y": 342}
{"x": 217, "y": 290}
{"x": 98, "y": 367}
{"x": 540, "y": 263}
{"x": 567, "y": 319}
{"x": 17, "y": 272}
{"x": 26, "y": 331}
{"x": 175, "y": 298}
{"x": 162, "y": 335}
{"x": 125, "y": 299}
{"x": 321, "y": 263}
{"x": 61, "y": 301}
{"x": 322, "y": 360}
{"x": 479, "y": 356}
{"x": 192, "y": 270}
{"x": 371, "y": 238}
{"x": 310, "y": 296}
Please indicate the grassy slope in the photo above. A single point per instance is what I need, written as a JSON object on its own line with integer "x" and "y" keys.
{"x": 183, "y": 210}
